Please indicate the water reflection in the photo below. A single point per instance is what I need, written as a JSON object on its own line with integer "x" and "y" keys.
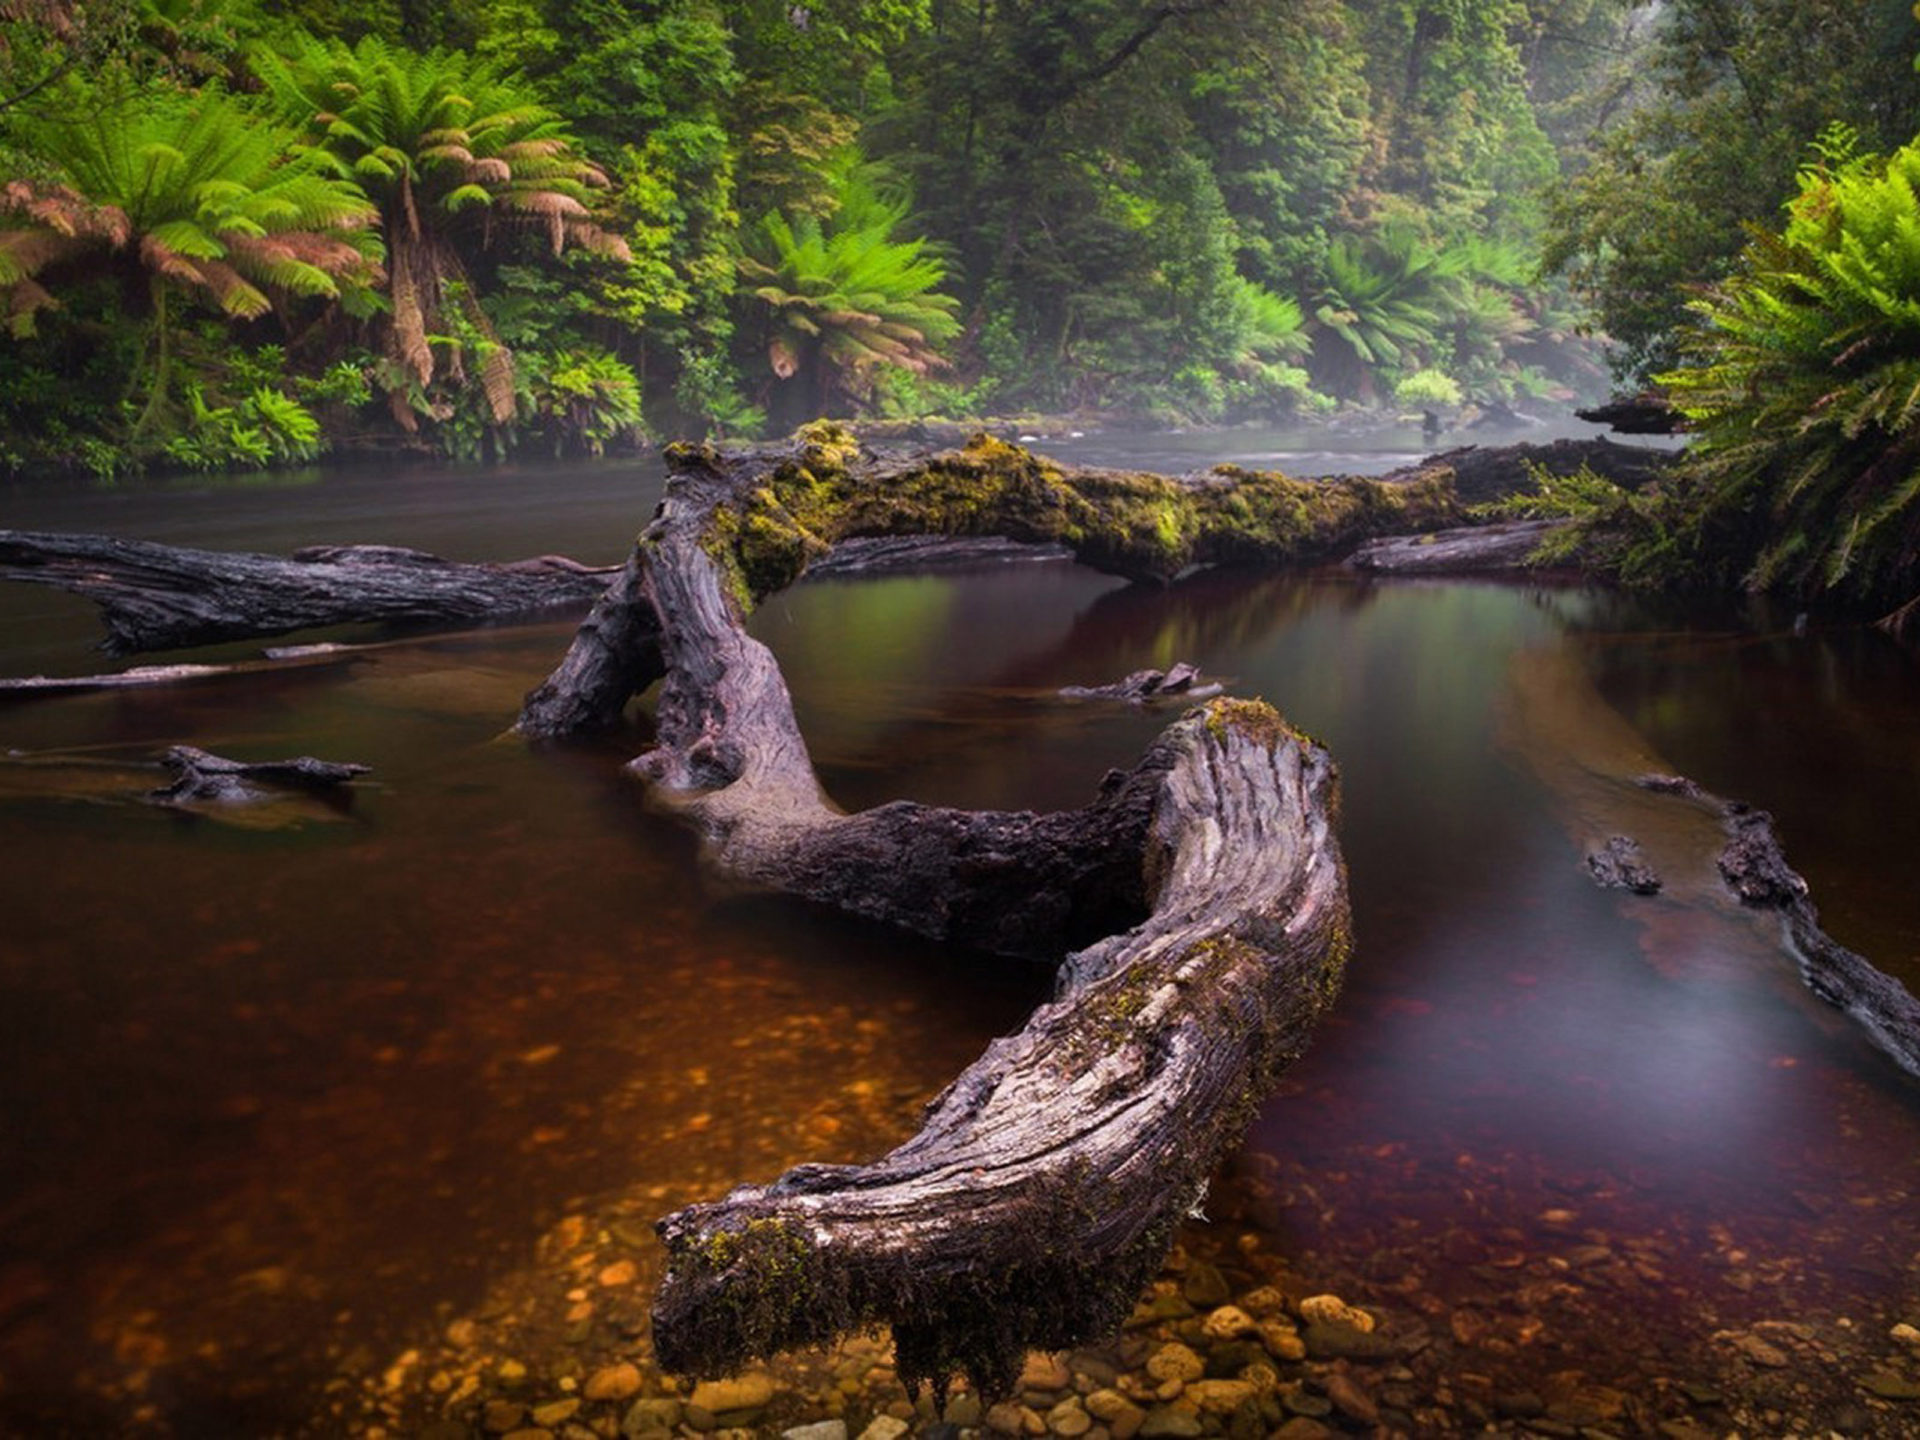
{"x": 281, "y": 1105}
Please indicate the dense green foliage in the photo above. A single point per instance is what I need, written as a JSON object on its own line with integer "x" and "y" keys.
{"x": 1804, "y": 388}
{"x": 1702, "y": 136}
{"x": 615, "y": 216}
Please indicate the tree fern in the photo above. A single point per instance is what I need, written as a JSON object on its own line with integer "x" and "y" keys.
{"x": 843, "y": 297}
{"x": 199, "y": 190}
{"x": 1804, "y": 388}
{"x": 448, "y": 147}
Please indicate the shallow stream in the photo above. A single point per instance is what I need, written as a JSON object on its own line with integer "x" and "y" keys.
{"x": 280, "y": 1102}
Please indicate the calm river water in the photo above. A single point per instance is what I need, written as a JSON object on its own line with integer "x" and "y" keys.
{"x": 280, "y": 1100}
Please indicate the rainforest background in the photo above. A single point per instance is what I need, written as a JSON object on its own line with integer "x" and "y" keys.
{"x": 245, "y": 233}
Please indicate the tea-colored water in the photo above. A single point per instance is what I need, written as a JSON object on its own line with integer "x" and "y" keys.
{"x": 279, "y": 1101}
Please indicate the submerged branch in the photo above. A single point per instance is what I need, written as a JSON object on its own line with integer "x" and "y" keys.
{"x": 163, "y": 597}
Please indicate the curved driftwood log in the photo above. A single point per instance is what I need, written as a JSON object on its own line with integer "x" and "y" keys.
{"x": 1204, "y": 889}
{"x": 777, "y": 511}
{"x": 162, "y": 597}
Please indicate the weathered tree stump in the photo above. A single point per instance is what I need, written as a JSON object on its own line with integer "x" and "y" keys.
{"x": 1203, "y": 888}
{"x": 163, "y": 597}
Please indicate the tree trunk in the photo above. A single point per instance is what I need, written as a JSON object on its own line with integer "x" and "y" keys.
{"x": 160, "y": 597}
{"x": 1203, "y": 888}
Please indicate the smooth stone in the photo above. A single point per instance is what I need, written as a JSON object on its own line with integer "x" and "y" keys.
{"x": 1342, "y": 1342}
{"x": 1170, "y": 1422}
{"x": 1220, "y": 1397}
{"x": 1263, "y": 1303}
{"x": 1175, "y": 1362}
{"x": 1225, "y": 1361}
{"x": 556, "y": 1412}
{"x": 644, "y": 1416}
{"x": 1044, "y": 1371}
{"x": 1350, "y": 1400}
{"x": 963, "y": 1410}
{"x": 1007, "y": 1419}
{"x": 1332, "y": 1310}
{"x": 819, "y": 1430}
{"x": 1162, "y": 1309}
{"x": 615, "y": 1382}
{"x": 1889, "y": 1386}
{"x": 1205, "y": 1287}
{"x": 885, "y": 1427}
{"x": 1283, "y": 1342}
{"x": 1069, "y": 1418}
{"x": 500, "y": 1416}
{"x": 1229, "y": 1322}
{"x": 1302, "y": 1428}
{"x": 1108, "y": 1404}
{"x": 740, "y": 1392}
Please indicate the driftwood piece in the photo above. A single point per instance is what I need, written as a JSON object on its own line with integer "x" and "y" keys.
{"x": 1204, "y": 891}
{"x": 163, "y": 597}
{"x": 787, "y": 507}
{"x": 1182, "y": 682}
{"x": 1486, "y": 473}
{"x": 1755, "y": 868}
{"x": 1619, "y": 865}
{"x": 141, "y": 677}
{"x": 199, "y": 776}
{"x": 1647, "y": 413}
{"x": 1465, "y": 550}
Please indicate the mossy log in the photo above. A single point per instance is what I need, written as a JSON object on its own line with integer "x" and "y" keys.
{"x": 1484, "y": 473}
{"x": 164, "y": 597}
{"x": 1201, "y": 895}
{"x": 777, "y": 511}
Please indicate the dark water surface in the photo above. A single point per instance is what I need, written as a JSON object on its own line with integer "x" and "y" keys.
{"x": 280, "y": 1099}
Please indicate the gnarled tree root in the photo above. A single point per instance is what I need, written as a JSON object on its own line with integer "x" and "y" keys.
{"x": 1204, "y": 890}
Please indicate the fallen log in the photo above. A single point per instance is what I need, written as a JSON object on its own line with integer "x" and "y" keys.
{"x": 1203, "y": 888}
{"x": 1647, "y": 413}
{"x": 1755, "y": 869}
{"x": 779, "y": 510}
{"x": 200, "y": 776}
{"x": 163, "y": 597}
{"x": 1482, "y": 474}
{"x": 1182, "y": 682}
{"x": 1465, "y": 550}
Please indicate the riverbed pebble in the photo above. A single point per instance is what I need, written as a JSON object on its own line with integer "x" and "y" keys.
{"x": 1332, "y": 1310}
{"x": 614, "y": 1382}
{"x": 1176, "y": 1362}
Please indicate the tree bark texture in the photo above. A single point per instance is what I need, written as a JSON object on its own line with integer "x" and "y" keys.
{"x": 1201, "y": 895}
{"x": 162, "y": 597}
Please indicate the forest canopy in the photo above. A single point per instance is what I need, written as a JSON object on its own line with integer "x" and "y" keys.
{"x": 471, "y": 227}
